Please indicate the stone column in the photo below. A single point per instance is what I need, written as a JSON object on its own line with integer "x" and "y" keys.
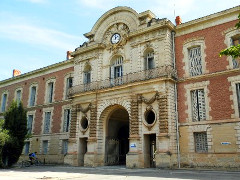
{"x": 133, "y": 157}
{"x": 71, "y": 157}
{"x": 90, "y": 158}
{"x": 163, "y": 155}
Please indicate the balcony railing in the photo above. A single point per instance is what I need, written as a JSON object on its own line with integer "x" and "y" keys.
{"x": 163, "y": 71}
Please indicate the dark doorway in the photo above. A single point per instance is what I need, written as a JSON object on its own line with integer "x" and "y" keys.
{"x": 82, "y": 150}
{"x": 117, "y": 143}
{"x": 149, "y": 150}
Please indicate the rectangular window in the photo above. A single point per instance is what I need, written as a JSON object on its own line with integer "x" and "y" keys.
{"x": 149, "y": 60}
{"x": 238, "y": 96}
{"x": 67, "y": 118}
{"x": 4, "y": 102}
{"x": 201, "y": 144}
{"x": 118, "y": 71}
{"x": 195, "y": 61}
{"x": 18, "y": 96}
{"x": 87, "y": 77}
{"x": 235, "y": 41}
{"x": 27, "y": 147}
{"x": 47, "y": 122}
{"x": 69, "y": 84}
{"x": 45, "y": 147}
{"x": 33, "y": 96}
{"x": 64, "y": 146}
{"x": 29, "y": 123}
{"x": 198, "y": 105}
{"x": 50, "y": 92}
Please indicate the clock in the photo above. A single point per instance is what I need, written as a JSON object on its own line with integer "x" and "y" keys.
{"x": 115, "y": 38}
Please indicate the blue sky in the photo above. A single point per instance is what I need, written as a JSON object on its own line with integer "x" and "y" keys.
{"x": 37, "y": 33}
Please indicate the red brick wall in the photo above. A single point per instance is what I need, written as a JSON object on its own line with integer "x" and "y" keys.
{"x": 219, "y": 93}
{"x": 41, "y": 81}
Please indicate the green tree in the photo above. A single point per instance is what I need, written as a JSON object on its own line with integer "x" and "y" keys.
{"x": 4, "y": 137}
{"x": 233, "y": 51}
{"x": 16, "y": 124}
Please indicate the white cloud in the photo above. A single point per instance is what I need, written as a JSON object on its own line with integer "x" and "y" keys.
{"x": 31, "y": 34}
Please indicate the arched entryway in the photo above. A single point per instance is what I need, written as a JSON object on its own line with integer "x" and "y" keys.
{"x": 117, "y": 134}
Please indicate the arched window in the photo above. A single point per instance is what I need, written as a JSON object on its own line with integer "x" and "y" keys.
{"x": 149, "y": 60}
{"x": 87, "y": 73}
{"x": 116, "y": 69}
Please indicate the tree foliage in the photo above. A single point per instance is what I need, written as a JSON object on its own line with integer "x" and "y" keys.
{"x": 16, "y": 125}
{"x": 233, "y": 51}
{"x": 4, "y": 137}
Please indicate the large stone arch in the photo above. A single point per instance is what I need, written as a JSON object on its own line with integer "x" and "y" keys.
{"x": 104, "y": 111}
{"x": 120, "y": 14}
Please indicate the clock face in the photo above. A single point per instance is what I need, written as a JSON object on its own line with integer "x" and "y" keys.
{"x": 115, "y": 38}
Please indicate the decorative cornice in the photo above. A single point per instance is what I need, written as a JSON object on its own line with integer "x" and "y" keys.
{"x": 85, "y": 49}
{"x": 160, "y": 25}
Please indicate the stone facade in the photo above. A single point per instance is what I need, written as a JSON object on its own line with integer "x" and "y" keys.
{"x": 140, "y": 92}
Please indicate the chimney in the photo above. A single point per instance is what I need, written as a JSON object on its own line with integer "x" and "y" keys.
{"x": 178, "y": 20}
{"x": 69, "y": 55}
{"x": 16, "y": 72}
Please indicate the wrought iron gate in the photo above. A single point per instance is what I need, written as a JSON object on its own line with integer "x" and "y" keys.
{"x": 112, "y": 151}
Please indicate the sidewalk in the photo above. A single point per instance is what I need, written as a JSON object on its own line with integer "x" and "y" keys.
{"x": 111, "y": 172}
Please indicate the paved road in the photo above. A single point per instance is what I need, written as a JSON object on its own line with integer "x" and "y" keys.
{"x": 106, "y": 173}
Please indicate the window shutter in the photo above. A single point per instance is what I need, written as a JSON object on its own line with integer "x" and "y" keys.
{"x": 201, "y": 102}
{"x": 198, "y": 105}
{"x": 194, "y": 106}
{"x": 195, "y": 61}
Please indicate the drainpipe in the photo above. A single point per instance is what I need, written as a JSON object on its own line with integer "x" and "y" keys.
{"x": 175, "y": 98}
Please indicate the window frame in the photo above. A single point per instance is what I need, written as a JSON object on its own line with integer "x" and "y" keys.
{"x": 65, "y": 88}
{"x": 198, "y": 108}
{"x": 203, "y": 144}
{"x": 64, "y": 120}
{"x": 6, "y": 102}
{"x": 30, "y": 95}
{"x": 234, "y": 80}
{"x": 149, "y": 55}
{"x": 47, "y": 93}
{"x": 63, "y": 150}
{"x": 43, "y": 147}
{"x": 117, "y": 63}
{"x": 47, "y": 110}
{"x": 191, "y": 43}
{"x": 16, "y": 98}
{"x": 188, "y": 103}
{"x": 229, "y": 34}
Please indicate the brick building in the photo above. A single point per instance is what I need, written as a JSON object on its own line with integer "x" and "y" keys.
{"x": 140, "y": 92}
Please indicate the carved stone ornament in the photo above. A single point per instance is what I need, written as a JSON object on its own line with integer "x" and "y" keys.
{"x": 118, "y": 28}
{"x": 148, "y": 101}
{"x": 84, "y": 110}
